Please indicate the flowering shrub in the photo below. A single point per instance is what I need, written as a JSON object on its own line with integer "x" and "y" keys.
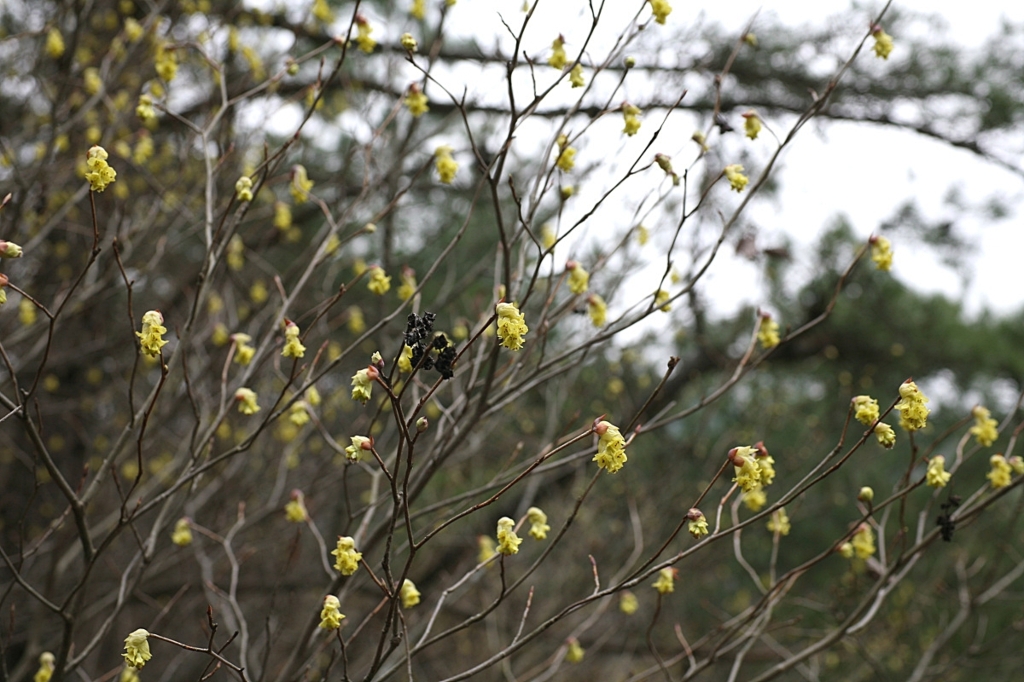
{"x": 202, "y": 320}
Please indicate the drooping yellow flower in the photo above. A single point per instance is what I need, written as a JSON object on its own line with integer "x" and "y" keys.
{"x": 243, "y": 188}
{"x": 295, "y": 510}
{"x": 574, "y": 653}
{"x": 182, "y": 535}
{"x": 243, "y": 351}
{"x": 863, "y": 541}
{"x": 1017, "y": 464}
{"x": 566, "y": 154}
{"x": 10, "y": 250}
{"x": 408, "y": 42}
{"x": 768, "y": 331}
{"x": 99, "y": 174}
{"x": 379, "y": 282}
{"x": 293, "y": 348}
{"x": 409, "y": 594}
{"x": 881, "y": 253}
{"x": 246, "y": 398}
{"x": 321, "y": 11}
{"x": 698, "y": 525}
{"x": 883, "y": 42}
{"x": 765, "y": 463}
{"x": 405, "y": 359}
{"x": 701, "y": 140}
{"x": 937, "y": 476}
{"x": 144, "y": 109}
{"x": 487, "y": 548}
{"x": 46, "y": 659}
{"x": 734, "y": 174}
{"x": 661, "y": 298}
{"x": 548, "y": 238}
{"x": 755, "y": 499}
{"x": 508, "y": 541}
{"x": 865, "y": 409}
{"x": 359, "y": 444}
{"x": 511, "y": 326}
{"x": 538, "y": 523}
{"x": 752, "y": 124}
{"x": 985, "y": 428}
{"x": 363, "y": 31}
{"x": 26, "y": 312}
{"x": 631, "y": 119}
{"x": 779, "y": 522}
{"x": 579, "y": 278}
{"x": 999, "y": 475}
{"x": 300, "y": 184}
{"x": 913, "y": 413}
{"x": 136, "y": 649}
{"x": 445, "y": 164}
{"x": 611, "y": 447}
{"x": 597, "y": 309}
{"x": 166, "y": 62}
{"x": 346, "y": 557}
{"x": 661, "y": 9}
{"x": 748, "y": 474}
{"x": 54, "y": 43}
{"x": 628, "y": 603}
{"x": 885, "y": 435}
{"x": 282, "y": 215}
{"x": 151, "y": 337}
{"x": 558, "y": 59}
{"x": 331, "y": 615}
{"x": 418, "y": 10}
{"x": 416, "y": 101}
{"x": 576, "y": 76}
{"x": 362, "y": 383}
{"x": 666, "y": 582}
{"x": 93, "y": 82}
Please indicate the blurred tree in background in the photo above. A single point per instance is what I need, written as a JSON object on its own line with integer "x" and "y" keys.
{"x": 277, "y": 162}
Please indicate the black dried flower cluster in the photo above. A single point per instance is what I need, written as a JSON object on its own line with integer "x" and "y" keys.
{"x": 419, "y": 335}
{"x": 945, "y": 523}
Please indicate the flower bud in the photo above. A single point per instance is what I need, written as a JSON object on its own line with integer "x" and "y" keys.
{"x": 866, "y": 494}
{"x": 421, "y": 424}
{"x": 630, "y": 62}
{"x": 9, "y": 250}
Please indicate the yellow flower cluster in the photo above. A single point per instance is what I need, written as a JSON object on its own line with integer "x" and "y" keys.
{"x": 862, "y": 545}
{"x": 999, "y": 475}
{"x": 538, "y": 523}
{"x": 409, "y": 594}
{"x": 347, "y": 558}
{"x": 752, "y": 124}
{"x": 579, "y": 278}
{"x": 631, "y": 119}
{"x": 576, "y": 76}
{"x": 865, "y": 409}
{"x": 243, "y": 351}
{"x": 363, "y": 31}
{"x": 747, "y": 472}
{"x": 151, "y": 337}
{"x": 54, "y": 43}
{"x": 779, "y": 522}
{"x": 611, "y": 447}
{"x": 46, "y": 659}
{"x": 558, "y": 59}
{"x": 99, "y": 174}
{"x": 597, "y": 309}
{"x": 331, "y": 615}
{"x": 166, "y": 62}
{"x": 574, "y": 653}
{"x": 913, "y": 413}
{"x": 734, "y": 174}
{"x": 182, "y": 535}
{"x": 145, "y": 110}
{"x": 511, "y": 326}
{"x": 445, "y": 164}
{"x": 666, "y": 582}
{"x": 300, "y": 184}
{"x": 768, "y": 332}
{"x": 243, "y": 188}
{"x": 136, "y": 649}
{"x": 881, "y": 253}
{"x": 418, "y": 9}
{"x": 359, "y": 444}
{"x": 985, "y": 429}
{"x": 416, "y": 101}
{"x": 508, "y": 541}
{"x": 362, "y": 383}
{"x": 937, "y": 476}
{"x": 566, "y": 155}
{"x": 246, "y": 398}
{"x": 10, "y": 250}
{"x": 885, "y": 435}
{"x": 408, "y": 42}
{"x": 698, "y": 525}
{"x": 295, "y": 510}
{"x": 628, "y": 603}
{"x": 883, "y": 42}
{"x": 408, "y": 286}
{"x": 293, "y": 348}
